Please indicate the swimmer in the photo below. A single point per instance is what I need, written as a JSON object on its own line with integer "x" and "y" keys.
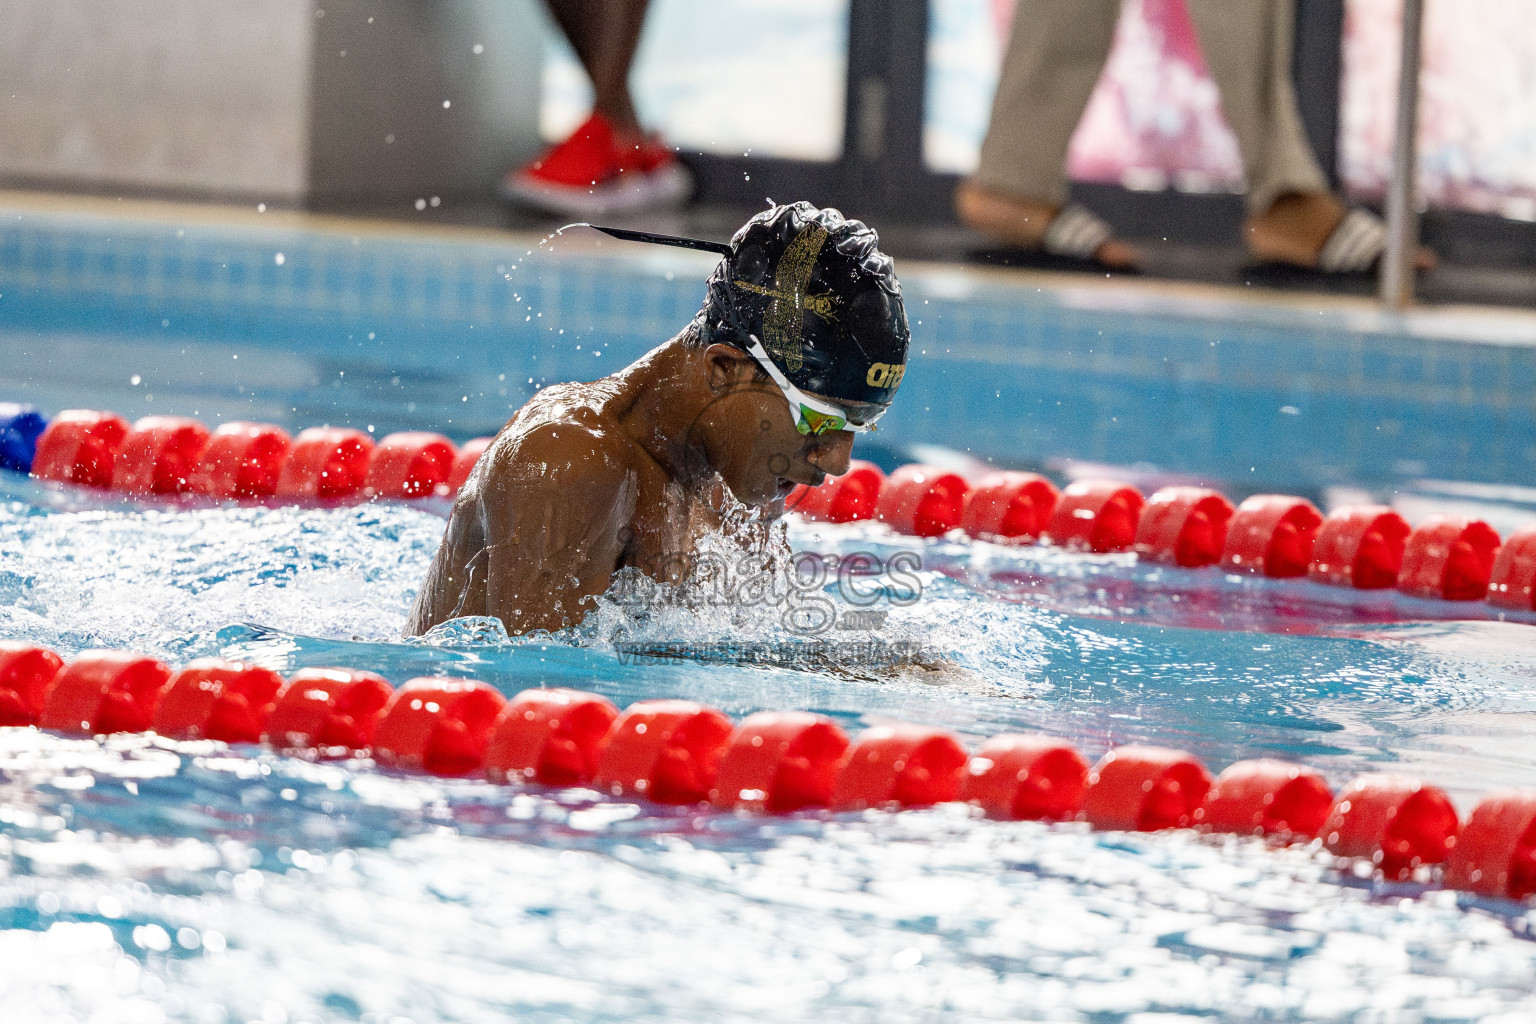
{"x": 800, "y": 344}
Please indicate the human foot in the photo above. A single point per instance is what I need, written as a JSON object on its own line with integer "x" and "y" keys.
{"x": 1029, "y": 224}
{"x": 1316, "y": 231}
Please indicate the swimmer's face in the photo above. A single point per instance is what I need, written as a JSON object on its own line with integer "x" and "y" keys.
{"x": 753, "y": 443}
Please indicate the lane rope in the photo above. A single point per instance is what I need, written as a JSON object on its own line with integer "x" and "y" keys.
{"x": 680, "y": 752}
{"x": 1367, "y": 547}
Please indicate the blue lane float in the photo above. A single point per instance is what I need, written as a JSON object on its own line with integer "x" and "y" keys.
{"x": 20, "y": 427}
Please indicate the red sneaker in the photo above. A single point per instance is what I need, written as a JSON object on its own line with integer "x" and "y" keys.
{"x": 666, "y": 179}
{"x": 593, "y": 172}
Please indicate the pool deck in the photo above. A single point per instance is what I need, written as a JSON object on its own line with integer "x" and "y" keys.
{"x": 1181, "y": 273}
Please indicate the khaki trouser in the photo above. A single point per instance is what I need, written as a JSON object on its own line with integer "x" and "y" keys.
{"x": 1057, "y": 51}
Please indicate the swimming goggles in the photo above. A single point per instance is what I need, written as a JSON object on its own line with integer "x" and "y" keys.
{"x": 812, "y": 416}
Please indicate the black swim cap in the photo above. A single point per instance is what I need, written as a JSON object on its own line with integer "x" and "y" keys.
{"x": 823, "y": 299}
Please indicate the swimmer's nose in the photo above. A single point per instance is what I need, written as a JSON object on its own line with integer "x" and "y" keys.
{"x": 831, "y": 454}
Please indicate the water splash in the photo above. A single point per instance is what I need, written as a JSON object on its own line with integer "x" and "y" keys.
{"x": 466, "y": 631}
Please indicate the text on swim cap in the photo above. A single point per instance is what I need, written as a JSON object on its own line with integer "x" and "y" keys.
{"x": 885, "y": 375}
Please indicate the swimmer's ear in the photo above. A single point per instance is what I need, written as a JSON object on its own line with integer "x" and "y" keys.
{"x": 730, "y": 367}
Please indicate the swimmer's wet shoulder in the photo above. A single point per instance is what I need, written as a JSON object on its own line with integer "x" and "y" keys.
{"x": 628, "y": 471}
{"x": 541, "y": 522}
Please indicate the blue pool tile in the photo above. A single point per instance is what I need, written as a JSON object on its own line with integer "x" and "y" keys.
{"x": 1488, "y": 369}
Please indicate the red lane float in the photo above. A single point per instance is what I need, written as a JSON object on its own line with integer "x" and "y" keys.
{"x": 243, "y": 460}
{"x": 1269, "y": 797}
{"x": 840, "y": 499}
{"x": 1449, "y": 557}
{"x": 1027, "y": 778}
{"x": 1359, "y": 546}
{"x": 669, "y": 750}
{"x": 326, "y": 463}
{"x": 464, "y": 462}
{"x": 1364, "y": 546}
{"x": 554, "y": 737}
{"x": 1495, "y": 854}
{"x": 1010, "y": 507}
{"x": 26, "y": 672}
{"x": 1512, "y": 583}
{"x": 160, "y": 456}
{"x": 1184, "y": 526}
{"x": 1397, "y": 823}
{"x": 327, "y": 709}
{"x": 1096, "y": 515}
{"x": 104, "y": 692}
{"x": 440, "y": 726}
{"x": 902, "y": 764}
{"x": 1272, "y": 534}
{"x": 216, "y": 699}
{"x": 79, "y": 446}
{"x": 1144, "y": 789}
{"x": 664, "y": 750}
{"x": 922, "y": 501}
{"x": 410, "y": 464}
{"x": 780, "y": 761}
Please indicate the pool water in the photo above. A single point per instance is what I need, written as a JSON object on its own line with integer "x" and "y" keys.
{"x": 149, "y": 880}
{"x": 146, "y": 880}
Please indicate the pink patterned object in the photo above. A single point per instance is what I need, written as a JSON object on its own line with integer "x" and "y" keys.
{"x": 1155, "y": 119}
{"x": 1477, "y": 110}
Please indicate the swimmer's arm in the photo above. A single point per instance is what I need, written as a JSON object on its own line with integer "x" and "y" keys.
{"x": 554, "y": 511}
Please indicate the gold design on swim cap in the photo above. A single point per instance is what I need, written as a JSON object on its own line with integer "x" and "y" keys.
{"x": 783, "y": 324}
{"x": 821, "y": 305}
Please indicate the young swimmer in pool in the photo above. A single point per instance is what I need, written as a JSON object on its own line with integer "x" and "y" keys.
{"x": 800, "y": 344}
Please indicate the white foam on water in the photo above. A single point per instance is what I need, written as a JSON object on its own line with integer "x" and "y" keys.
{"x": 155, "y": 580}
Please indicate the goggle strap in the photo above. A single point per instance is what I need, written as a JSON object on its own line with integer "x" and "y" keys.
{"x": 625, "y": 234}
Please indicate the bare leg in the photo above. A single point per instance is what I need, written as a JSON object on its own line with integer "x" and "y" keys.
{"x": 604, "y": 34}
